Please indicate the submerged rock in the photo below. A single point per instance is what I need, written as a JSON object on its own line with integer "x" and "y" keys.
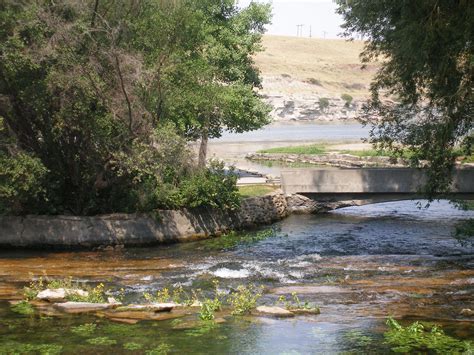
{"x": 59, "y": 294}
{"x": 82, "y": 307}
{"x": 274, "y": 311}
{"x": 305, "y": 311}
{"x": 153, "y": 307}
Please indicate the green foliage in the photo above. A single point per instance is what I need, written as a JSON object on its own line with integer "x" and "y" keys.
{"x": 103, "y": 341}
{"x": 95, "y": 294}
{"x": 21, "y": 179}
{"x": 255, "y": 190}
{"x": 245, "y": 299}
{"x": 132, "y": 346}
{"x": 22, "y": 348}
{"x": 421, "y": 97}
{"x": 423, "y": 337}
{"x": 312, "y": 149}
{"x": 233, "y": 239}
{"x": 23, "y": 307}
{"x": 214, "y": 187}
{"x": 97, "y": 105}
{"x": 84, "y": 330}
{"x": 172, "y": 294}
{"x": 162, "y": 349}
{"x": 347, "y": 99}
{"x": 203, "y": 328}
{"x": 323, "y": 103}
{"x": 295, "y": 304}
{"x": 211, "y": 305}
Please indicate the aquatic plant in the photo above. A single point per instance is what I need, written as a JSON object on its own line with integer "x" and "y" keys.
{"x": 423, "y": 337}
{"x": 162, "y": 349}
{"x": 94, "y": 295}
{"x": 169, "y": 294}
{"x": 23, "y": 307}
{"x": 84, "y": 330}
{"x": 245, "y": 299}
{"x": 132, "y": 346}
{"x": 203, "y": 328}
{"x": 295, "y": 304}
{"x": 233, "y": 239}
{"x": 209, "y": 306}
{"x": 22, "y": 348}
{"x": 358, "y": 339}
{"x": 105, "y": 341}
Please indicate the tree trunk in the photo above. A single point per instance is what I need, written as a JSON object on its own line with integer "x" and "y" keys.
{"x": 203, "y": 146}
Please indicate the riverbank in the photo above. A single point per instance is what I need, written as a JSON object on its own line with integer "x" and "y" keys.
{"x": 161, "y": 227}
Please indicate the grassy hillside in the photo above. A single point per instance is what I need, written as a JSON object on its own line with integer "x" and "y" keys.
{"x": 313, "y": 66}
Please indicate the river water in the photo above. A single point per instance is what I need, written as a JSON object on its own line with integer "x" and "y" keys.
{"x": 359, "y": 264}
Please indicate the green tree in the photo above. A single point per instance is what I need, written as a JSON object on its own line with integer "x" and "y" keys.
{"x": 87, "y": 92}
{"x": 422, "y": 97}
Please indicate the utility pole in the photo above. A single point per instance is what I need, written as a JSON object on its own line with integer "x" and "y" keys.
{"x": 299, "y": 30}
{"x": 310, "y": 29}
{"x": 324, "y": 34}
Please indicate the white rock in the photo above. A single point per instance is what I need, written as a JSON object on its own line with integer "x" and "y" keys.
{"x": 59, "y": 294}
{"x": 112, "y": 300}
{"x": 274, "y": 311}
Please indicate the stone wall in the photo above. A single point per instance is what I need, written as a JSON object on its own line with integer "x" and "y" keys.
{"x": 138, "y": 229}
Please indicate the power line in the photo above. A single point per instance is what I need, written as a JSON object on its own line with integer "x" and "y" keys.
{"x": 299, "y": 30}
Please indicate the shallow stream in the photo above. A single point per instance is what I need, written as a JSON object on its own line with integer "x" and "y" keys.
{"x": 359, "y": 264}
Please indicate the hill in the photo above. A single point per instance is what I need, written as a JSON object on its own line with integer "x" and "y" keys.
{"x": 297, "y": 72}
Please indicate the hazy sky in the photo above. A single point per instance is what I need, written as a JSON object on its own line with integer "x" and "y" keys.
{"x": 318, "y": 14}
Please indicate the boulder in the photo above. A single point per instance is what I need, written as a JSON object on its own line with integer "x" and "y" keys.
{"x": 59, "y": 294}
{"x": 274, "y": 311}
{"x": 82, "y": 307}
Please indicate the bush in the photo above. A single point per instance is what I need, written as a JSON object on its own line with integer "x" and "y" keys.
{"x": 348, "y": 99}
{"x": 21, "y": 178}
{"x": 214, "y": 187}
{"x": 323, "y": 103}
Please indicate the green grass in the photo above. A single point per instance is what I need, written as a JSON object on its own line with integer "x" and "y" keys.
{"x": 314, "y": 149}
{"x": 366, "y": 153}
{"x": 255, "y": 190}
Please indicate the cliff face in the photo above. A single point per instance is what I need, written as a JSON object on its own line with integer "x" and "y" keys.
{"x": 305, "y": 105}
{"x": 300, "y": 74}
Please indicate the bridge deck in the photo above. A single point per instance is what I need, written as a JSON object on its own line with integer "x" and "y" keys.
{"x": 379, "y": 183}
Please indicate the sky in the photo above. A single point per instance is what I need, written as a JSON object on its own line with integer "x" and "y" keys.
{"x": 316, "y": 15}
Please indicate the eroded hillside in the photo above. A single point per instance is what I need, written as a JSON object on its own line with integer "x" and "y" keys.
{"x": 298, "y": 72}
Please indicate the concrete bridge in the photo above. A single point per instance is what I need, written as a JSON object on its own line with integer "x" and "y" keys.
{"x": 365, "y": 186}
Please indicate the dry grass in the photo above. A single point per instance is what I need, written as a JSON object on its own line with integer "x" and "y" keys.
{"x": 314, "y": 66}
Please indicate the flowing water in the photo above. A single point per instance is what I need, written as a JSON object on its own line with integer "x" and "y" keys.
{"x": 358, "y": 264}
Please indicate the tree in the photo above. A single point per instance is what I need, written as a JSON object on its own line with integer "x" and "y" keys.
{"x": 98, "y": 98}
{"x": 422, "y": 97}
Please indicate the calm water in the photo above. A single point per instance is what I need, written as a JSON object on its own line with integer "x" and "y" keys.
{"x": 358, "y": 264}
{"x": 299, "y": 131}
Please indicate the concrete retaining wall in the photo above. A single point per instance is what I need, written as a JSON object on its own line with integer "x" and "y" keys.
{"x": 135, "y": 230}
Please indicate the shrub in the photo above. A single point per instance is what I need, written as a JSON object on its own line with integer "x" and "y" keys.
{"x": 323, "y": 103}
{"x": 348, "y": 99}
{"x": 21, "y": 178}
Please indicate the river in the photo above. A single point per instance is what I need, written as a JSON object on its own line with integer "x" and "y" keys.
{"x": 359, "y": 264}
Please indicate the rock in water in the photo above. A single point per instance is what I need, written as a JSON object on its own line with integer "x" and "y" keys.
{"x": 59, "y": 294}
{"x": 153, "y": 307}
{"x": 274, "y": 311}
{"x": 82, "y": 307}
